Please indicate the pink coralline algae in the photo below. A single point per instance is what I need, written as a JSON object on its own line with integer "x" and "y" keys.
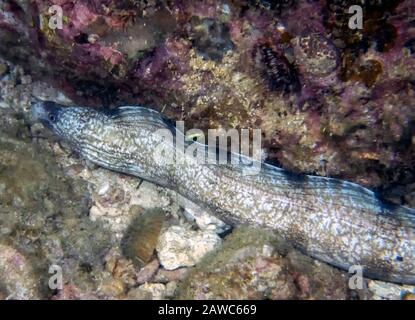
{"x": 329, "y": 100}
{"x": 163, "y": 67}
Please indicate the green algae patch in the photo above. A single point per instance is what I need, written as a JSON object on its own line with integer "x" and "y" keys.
{"x": 225, "y": 272}
{"x": 44, "y": 220}
{"x": 235, "y": 246}
{"x": 258, "y": 264}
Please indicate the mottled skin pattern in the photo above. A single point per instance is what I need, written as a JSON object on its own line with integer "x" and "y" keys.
{"x": 335, "y": 221}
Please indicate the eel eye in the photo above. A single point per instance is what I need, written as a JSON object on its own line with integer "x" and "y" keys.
{"x": 51, "y": 117}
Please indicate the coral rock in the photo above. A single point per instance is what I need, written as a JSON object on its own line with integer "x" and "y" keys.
{"x": 180, "y": 247}
{"x": 315, "y": 54}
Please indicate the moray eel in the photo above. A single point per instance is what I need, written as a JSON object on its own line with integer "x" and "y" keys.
{"x": 335, "y": 221}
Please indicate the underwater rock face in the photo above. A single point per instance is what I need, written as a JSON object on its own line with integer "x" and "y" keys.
{"x": 181, "y": 247}
{"x": 116, "y": 199}
{"x": 44, "y": 212}
{"x": 248, "y": 266}
{"x": 146, "y": 273}
{"x": 44, "y": 222}
{"x": 210, "y": 38}
{"x": 149, "y": 291}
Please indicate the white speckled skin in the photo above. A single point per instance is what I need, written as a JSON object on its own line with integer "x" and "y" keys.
{"x": 335, "y": 221}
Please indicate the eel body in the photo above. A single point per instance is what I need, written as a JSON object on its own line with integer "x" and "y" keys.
{"x": 335, "y": 221}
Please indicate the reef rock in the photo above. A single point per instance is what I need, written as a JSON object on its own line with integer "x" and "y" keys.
{"x": 148, "y": 291}
{"x": 182, "y": 247}
{"x": 249, "y": 266}
{"x": 17, "y": 280}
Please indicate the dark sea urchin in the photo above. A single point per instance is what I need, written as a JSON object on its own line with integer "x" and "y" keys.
{"x": 278, "y": 73}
